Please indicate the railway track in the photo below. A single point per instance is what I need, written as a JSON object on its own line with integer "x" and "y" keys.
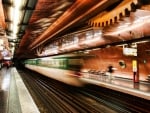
{"x": 120, "y": 101}
{"x": 55, "y": 97}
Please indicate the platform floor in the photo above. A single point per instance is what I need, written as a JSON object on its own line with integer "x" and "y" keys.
{"x": 4, "y": 89}
{"x": 14, "y": 96}
{"x": 141, "y": 89}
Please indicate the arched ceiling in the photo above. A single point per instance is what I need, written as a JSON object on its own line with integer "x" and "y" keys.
{"x": 53, "y": 18}
{"x": 46, "y": 20}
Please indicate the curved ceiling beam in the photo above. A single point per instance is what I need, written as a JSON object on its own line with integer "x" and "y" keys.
{"x": 107, "y": 18}
{"x": 75, "y": 13}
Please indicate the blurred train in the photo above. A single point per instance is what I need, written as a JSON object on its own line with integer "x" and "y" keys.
{"x": 64, "y": 68}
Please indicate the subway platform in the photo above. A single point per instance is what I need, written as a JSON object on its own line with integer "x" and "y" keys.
{"x": 14, "y": 96}
{"x": 141, "y": 89}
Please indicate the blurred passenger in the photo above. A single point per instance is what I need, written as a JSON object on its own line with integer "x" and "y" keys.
{"x": 110, "y": 70}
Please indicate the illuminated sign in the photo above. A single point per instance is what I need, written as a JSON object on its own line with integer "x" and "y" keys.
{"x": 130, "y": 51}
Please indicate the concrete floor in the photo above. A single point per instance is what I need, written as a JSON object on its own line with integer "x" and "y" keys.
{"x": 14, "y": 96}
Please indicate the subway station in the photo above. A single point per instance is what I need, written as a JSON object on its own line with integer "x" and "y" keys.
{"x": 74, "y": 56}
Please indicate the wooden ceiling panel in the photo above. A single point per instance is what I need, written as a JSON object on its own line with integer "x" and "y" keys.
{"x": 52, "y": 17}
{"x": 76, "y": 12}
{"x": 45, "y": 13}
{"x": 45, "y": 8}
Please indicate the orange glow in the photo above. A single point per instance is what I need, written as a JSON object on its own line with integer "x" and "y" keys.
{"x": 2, "y": 19}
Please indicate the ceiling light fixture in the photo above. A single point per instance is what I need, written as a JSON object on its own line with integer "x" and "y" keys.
{"x": 16, "y": 15}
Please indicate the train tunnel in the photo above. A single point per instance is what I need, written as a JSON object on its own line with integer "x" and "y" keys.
{"x": 74, "y": 56}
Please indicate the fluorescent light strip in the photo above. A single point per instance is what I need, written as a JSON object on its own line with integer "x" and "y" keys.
{"x": 16, "y": 16}
{"x": 19, "y": 3}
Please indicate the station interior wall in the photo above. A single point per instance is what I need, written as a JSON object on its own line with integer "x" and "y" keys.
{"x": 104, "y": 57}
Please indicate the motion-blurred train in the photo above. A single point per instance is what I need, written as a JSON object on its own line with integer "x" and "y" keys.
{"x": 65, "y": 68}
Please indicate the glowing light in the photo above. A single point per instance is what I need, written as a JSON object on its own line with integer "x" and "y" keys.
{"x": 16, "y": 15}
{"x": 70, "y": 47}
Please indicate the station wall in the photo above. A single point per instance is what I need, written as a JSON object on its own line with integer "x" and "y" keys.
{"x": 113, "y": 55}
